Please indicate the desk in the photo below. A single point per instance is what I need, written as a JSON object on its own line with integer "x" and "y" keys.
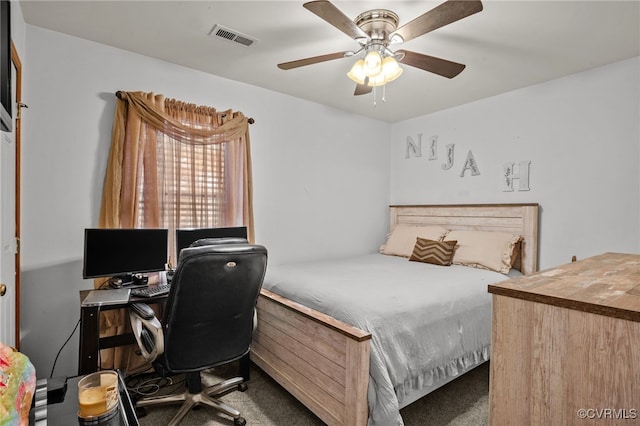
{"x": 91, "y": 342}
{"x": 565, "y": 345}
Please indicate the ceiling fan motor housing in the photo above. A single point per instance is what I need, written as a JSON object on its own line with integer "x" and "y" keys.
{"x": 378, "y": 24}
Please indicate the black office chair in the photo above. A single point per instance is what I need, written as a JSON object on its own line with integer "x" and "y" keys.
{"x": 208, "y": 321}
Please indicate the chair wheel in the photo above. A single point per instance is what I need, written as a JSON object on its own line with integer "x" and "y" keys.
{"x": 242, "y": 387}
{"x": 239, "y": 421}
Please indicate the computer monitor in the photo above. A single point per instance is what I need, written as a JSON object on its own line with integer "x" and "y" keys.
{"x": 185, "y": 237}
{"x": 123, "y": 252}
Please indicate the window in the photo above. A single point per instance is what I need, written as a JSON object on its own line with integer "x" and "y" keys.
{"x": 191, "y": 183}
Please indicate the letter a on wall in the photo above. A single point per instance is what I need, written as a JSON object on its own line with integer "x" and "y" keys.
{"x": 471, "y": 165}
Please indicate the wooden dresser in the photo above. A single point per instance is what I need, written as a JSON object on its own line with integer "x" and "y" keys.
{"x": 565, "y": 345}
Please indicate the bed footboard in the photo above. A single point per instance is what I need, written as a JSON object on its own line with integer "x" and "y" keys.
{"x": 321, "y": 361}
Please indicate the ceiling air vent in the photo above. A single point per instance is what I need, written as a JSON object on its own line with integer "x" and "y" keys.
{"x": 231, "y": 35}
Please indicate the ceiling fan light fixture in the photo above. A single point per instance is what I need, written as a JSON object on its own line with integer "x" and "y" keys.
{"x": 372, "y": 63}
{"x": 390, "y": 69}
{"x": 376, "y": 81}
{"x": 357, "y": 73}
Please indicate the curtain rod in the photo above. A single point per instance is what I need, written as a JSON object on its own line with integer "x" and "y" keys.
{"x": 250, "y": 120}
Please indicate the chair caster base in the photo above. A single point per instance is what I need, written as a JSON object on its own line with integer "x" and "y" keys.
{"x": 239, "y": 421}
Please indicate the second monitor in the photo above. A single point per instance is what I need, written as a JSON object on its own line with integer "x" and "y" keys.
{"x": 185, "y": 237}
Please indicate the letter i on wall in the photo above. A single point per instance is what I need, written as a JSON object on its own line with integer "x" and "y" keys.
{"x": 433, "y": 147}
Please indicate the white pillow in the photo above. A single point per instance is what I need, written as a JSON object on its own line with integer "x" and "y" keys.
{"x": 484, "y": 249}
{"x": 402, "y": 239}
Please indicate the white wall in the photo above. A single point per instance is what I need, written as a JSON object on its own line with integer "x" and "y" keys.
{"x": 321, "y": 177}
{"x": 582, "y": 136}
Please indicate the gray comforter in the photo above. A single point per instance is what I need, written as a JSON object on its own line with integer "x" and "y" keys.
{"x": 428, "y": 323}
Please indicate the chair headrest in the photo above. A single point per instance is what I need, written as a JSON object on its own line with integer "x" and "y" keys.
{"x": 220, "y": 246}
{"x": 218, "y": 241}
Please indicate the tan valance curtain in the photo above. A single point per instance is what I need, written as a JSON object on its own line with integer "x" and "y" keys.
{"x": 140, "y": 120}
{"x": 146, "y": 181}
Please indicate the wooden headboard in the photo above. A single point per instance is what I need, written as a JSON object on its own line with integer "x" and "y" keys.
{"x": 516, "y": 218}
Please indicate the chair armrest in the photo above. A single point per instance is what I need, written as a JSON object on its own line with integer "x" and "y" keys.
{"x": 143, "y": 310}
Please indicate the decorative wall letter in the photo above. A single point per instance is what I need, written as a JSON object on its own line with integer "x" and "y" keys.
{"x": 470, "y": 164}
{"x": 433, "y": 148}
{"x": 509, "y": 174}
{"x": 414, "y": 148}
{"x": 449, "y": 163}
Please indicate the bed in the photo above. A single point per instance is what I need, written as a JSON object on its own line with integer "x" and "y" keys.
{"x": 336, "y": 357}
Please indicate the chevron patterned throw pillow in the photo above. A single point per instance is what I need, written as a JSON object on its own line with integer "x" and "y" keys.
{"x": 435, "y": 252}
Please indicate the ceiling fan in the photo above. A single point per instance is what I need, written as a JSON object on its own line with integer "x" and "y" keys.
{"x": 375, "y": 30}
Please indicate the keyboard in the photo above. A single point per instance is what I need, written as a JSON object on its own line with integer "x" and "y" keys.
{"x": 152, "y": 291}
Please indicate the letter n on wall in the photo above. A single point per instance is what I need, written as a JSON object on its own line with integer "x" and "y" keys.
{"x": 414, "y": 148}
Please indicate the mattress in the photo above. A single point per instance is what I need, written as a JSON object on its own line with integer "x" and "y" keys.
{"x": 428, "y": 323}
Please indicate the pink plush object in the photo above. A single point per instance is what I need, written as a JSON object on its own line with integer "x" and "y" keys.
{"x": 17, "y": 386}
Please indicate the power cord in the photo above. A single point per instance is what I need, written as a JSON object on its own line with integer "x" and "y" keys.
{"x": 147, "y": 384}
{"x": 62, "y": 347}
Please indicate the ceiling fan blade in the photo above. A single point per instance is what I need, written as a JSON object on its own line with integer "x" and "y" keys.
{"x": 327, "y": 11}
{"x": 311, "y": 60}
{"x": 444, "y": 14}
{"x": 362, "y": 89}
{"x": 432, "y": 64}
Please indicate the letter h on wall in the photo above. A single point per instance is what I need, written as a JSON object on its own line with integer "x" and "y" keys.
{"x": 509, "y": 174}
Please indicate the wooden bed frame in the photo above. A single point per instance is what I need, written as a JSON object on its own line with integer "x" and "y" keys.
{"x": 324, "y": 362}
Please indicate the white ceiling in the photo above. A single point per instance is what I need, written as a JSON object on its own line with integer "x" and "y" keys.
{"x": 509, "y": 45}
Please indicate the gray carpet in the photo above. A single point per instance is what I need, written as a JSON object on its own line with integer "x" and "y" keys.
{"x": 464, "y": 401}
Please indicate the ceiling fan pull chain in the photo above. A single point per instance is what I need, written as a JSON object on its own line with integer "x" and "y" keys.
{"x": 375, "y": 103}
{"x": 384, "y": 93}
